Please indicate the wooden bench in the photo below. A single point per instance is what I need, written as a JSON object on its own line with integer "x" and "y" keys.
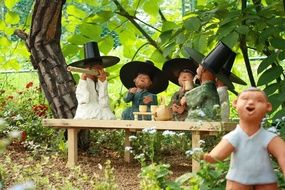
{"x": 196, "y": 129}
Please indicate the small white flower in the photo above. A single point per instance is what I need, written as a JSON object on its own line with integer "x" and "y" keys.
{"x": 128, "y": 148}
{"x": 139, "y": 156}
{"x": 168, "y": 133}
{"x": 201, "y": 142}
{"x": 201, "y": 113}
{"x": 283, "y": 118}
{"x": 150, "y": 130}
{"x": 15, "y": 134}
{"x": 181, "y": 134}
{"x": 100, "y": 166}
{"x": 195, "y": 150}
{"x": 189, "y": 152}
{"x": 18, "y": 117}
{"x": 277, "y": 120}
{"x": 216, "y": 106}
{"x": 26, "y": 185}
{"x": 132, "y": 137}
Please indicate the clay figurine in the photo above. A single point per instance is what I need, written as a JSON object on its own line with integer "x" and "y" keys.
{"x": 250, "y": 146}
{"x": 203, "y": 101}
{"x": 92, "y": 91}
{"x": 180, "y": 71}
{"x": 143, "y": 81}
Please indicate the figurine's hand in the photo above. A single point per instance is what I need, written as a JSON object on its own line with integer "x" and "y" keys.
{"x": 183, "y": 101}
{"x": 180, "y": 109}
{"x": 174, "y": 108}
{"x": 133, "y": 90}
{"x": 147, "y": 99}
{"x": 83, "y": 76}
{"x": 102, "y": 75}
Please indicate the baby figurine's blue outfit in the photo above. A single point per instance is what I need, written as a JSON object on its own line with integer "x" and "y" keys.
{"x": 250, "y": 162}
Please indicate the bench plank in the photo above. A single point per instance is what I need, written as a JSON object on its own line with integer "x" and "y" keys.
{"x": 139, "y": 125}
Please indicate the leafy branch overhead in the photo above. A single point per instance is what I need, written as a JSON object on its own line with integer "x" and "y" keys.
{"x": 155, "y": 30}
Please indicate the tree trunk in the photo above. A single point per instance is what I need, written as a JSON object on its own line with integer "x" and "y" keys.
{"x": 46, "y": 56}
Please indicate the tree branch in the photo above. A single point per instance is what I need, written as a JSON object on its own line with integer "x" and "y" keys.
{"x": 124, "y": 13}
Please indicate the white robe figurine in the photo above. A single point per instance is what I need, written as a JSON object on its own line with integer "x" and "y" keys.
{"x": 93, "y": 104}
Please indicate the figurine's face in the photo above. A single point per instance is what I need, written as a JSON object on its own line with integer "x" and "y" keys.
{"x": 96, "y": 67}
{"x": 252, "y": 105}
{"x": 142, "y": 81}
{"x": 185, "y": 76}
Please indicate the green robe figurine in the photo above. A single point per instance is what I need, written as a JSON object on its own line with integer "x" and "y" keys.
{"x": 137, "y": 99}
{"x": 203, "y": 103}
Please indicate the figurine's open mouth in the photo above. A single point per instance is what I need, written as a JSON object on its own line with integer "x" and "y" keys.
{"x": 250, "y": 109}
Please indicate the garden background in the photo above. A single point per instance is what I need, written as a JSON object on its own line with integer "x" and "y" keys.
{"x": 39, "y": 38}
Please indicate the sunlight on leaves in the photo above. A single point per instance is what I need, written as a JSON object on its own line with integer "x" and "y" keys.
{"x": 12, "y": 18}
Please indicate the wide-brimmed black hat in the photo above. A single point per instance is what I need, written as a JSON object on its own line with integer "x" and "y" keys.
{"x": 92, "y": 56}
{"x": 173, "y": 67}
{"x": 131, "y": 70}
{"x": 219, "y": 61}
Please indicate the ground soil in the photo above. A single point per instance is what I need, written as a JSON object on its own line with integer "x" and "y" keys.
{"x": 126, "y": 174}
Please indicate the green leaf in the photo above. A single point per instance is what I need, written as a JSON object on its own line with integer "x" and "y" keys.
{"x": 192, "y": 24}
{"x": 12, "y": 64}
{"x": 279, "y": 114}
{"x": 181, "y": 38}
{"x": 78, "y": 40}
{"x": 12, "y": 18}
{"x": 75, "y": 11}
{"x": 167, "y": 25}
{"x": 10, "y": 3}
{"x": 2, "y": 25}
{"x": 106, "y": 45}
{"x": 270, "y": 89}
{"x": 100, "y": 17}
{"x": 243, "y": 29}
{"x": 151, "y": 7}
{"x": 278, "y": 43}
{"x": 157, "y": 57}
{"x": 169, "y": 50}
{"x": 5, "y": 43}
{"x": 91, "y": 31}
{"x": 266, "y": 62}
{"x": 231, "y": 39}
{"x": 281, "y": 55}
{"x": 275, "y": 101}
{"x": 269, "y": 75}
{"x": 70, "y": 50}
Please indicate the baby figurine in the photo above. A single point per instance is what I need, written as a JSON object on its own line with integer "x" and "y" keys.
{"x": 144, "y": 81}
{"x": 250, "y": 146}
{"x": 181, "y": 72}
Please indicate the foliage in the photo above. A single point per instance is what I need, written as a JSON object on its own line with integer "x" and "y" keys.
{"x": 23, "y": 173}
{"x": 23, "y": 111}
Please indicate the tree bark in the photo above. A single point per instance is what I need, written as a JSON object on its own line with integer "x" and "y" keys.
{"x": 46, "y": 56}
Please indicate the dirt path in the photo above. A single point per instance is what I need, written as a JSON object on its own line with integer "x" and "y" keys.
{"x": 126, "y": 174}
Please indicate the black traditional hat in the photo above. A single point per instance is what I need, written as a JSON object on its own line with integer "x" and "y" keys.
{"x": 92, "y": 57}
{"x": 173, "y": 67}
{"x": 219, "y": 61}
{"x": 131, "y": 70}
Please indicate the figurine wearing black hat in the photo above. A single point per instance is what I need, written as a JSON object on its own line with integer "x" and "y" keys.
{"x": 181, "y": 72}
{"x": 144, "y": 81}
{"x": 203, "y": 102}
{"x": 91, "y": 91}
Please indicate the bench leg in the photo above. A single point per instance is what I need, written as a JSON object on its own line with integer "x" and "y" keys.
{"x": 195, "y": 144}
{"x": 127, "y": 154}
{"x": 72, "y": 147}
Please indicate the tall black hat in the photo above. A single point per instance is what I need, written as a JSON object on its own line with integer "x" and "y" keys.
{"x": 92, "y": 56}
{"x": 173, "y": 67}
{"x": 219, "y": 61}
{"x": 131, "y": 70}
